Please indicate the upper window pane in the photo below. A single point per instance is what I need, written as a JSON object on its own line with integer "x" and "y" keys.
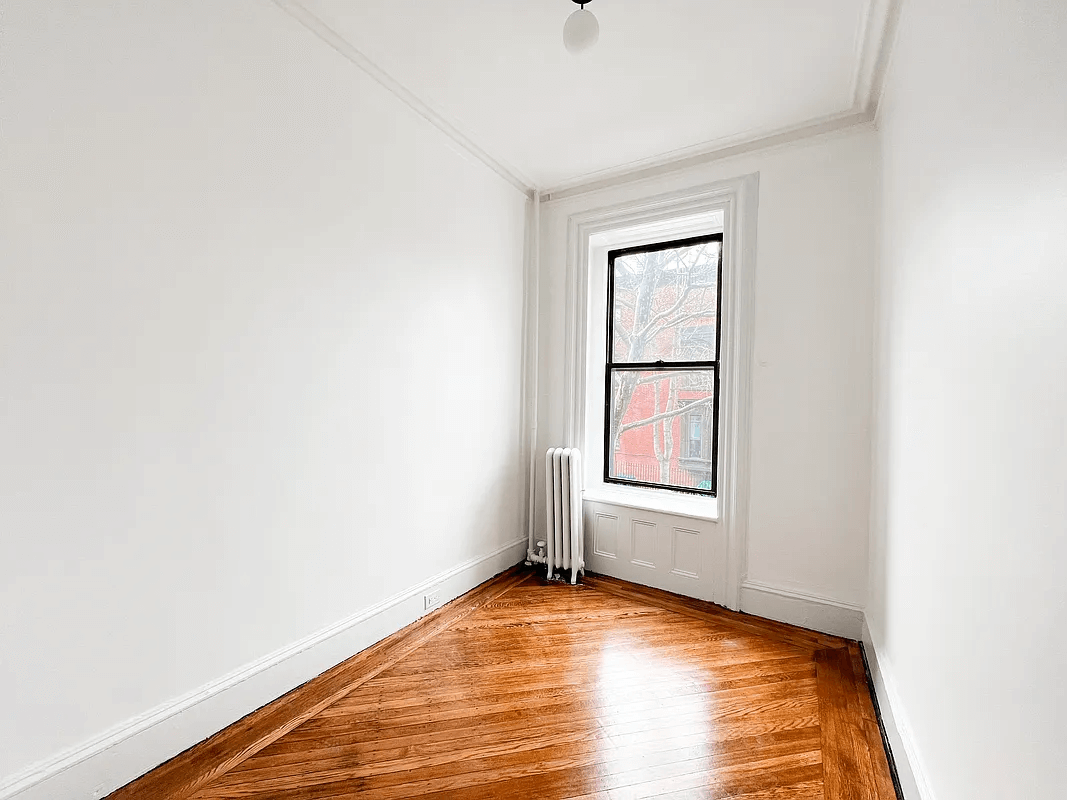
{"x": 664, "y": 304}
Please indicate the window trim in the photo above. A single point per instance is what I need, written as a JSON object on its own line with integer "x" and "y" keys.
{"x": 611, "y": 366}
{"x": 615, "y": 217}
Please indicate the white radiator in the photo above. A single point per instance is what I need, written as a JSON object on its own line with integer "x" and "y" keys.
{"x": 563, "y": 490}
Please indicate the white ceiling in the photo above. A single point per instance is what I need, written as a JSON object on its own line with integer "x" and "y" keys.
{"x": 666, "y": 76}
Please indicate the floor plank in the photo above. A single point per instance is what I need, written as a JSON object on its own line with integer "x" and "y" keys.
{"x": 525, "y": 688}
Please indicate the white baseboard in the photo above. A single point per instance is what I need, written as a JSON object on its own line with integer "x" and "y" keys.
{"x": 912, "y": 778}
{"x": 804, "y": 610}
{"x": 109, "y": 761}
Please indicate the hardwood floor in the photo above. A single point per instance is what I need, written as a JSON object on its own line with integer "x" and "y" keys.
{"x": 523, "y": 689}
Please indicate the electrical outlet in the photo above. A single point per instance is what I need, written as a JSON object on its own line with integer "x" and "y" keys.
{"x": 433, "y": 598}
{"x": 99, "y": 792}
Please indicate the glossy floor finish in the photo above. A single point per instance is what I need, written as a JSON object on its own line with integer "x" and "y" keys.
{"x": 523, "y": 689}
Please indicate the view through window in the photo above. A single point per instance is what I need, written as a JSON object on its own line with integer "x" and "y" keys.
{"x": 661, "y": 407}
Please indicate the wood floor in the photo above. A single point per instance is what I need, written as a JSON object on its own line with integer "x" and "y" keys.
{"x": 523, "y": 689}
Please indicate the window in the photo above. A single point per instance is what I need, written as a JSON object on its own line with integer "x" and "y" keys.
{"x": 694, "y": 444}
{"x": 697, "y": 443}
{"x": 661, "y": 377}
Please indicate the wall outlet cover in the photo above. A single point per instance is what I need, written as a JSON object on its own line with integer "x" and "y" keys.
{"x": 433, "y": 598}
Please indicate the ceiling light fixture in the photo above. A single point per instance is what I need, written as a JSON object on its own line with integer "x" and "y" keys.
{"x": 582, "y": 29}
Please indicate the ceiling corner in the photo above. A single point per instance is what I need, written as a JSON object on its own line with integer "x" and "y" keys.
{"x": 315, "y": 25}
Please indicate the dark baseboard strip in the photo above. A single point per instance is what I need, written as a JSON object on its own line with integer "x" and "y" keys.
{"x": 881, "y": 726}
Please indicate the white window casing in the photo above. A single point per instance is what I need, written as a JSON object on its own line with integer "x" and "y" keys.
{"x": 727, "y": 206}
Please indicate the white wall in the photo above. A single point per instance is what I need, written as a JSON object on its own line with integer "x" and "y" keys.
{"x": 260, "y": 343}
{"x": 812, "y": 380}
{"x": 968, "y": 595}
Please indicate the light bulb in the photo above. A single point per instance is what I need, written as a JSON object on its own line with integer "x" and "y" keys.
{"x": 581, "y": 31}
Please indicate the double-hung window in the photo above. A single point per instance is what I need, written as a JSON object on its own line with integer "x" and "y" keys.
{"x": 661, "y": 378}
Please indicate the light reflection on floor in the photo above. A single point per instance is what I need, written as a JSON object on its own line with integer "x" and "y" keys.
{"x": 636, "y": 685}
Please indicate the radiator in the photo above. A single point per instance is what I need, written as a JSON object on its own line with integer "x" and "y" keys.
{"x": 563, "y": 492}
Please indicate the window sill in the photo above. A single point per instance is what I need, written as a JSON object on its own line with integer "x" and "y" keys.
{"x": 662, "y": 500}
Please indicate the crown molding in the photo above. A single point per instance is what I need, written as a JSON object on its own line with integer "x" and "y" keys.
{"x": 875, "y": 55}
{"x": 704, "y": 154}
{"x": 872, "y": 45}
{"x": 885, "y": 57}
{"x": 315, "y": 25}
{"x": 874, "y": 40}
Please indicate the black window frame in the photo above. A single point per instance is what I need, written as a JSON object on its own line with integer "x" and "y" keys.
{"x": 611, "y": 366}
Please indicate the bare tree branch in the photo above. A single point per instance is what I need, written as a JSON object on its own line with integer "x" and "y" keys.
{"x": 686, "y": 289}
{"x": 678, "y": 320}
{"x": 665, "y": 415}
{"x": 668, "y": 433}
{"x": 655, "y": 428}
{"x": 659, "y": 376}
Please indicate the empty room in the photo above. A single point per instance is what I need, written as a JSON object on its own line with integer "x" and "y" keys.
{"x": 550, "y": 399}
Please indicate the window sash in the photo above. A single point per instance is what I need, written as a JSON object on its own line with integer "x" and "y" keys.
{"x": 611, "y": 368}
{"x": 683, "y": 414}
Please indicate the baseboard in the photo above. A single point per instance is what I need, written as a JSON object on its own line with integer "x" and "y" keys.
{"x": 913, "y": 783}
{"x": 803, "y": 610}
{"x": 109, "y": 761}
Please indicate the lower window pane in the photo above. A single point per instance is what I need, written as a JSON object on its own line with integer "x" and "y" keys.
{"x": 660, "y": 427}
